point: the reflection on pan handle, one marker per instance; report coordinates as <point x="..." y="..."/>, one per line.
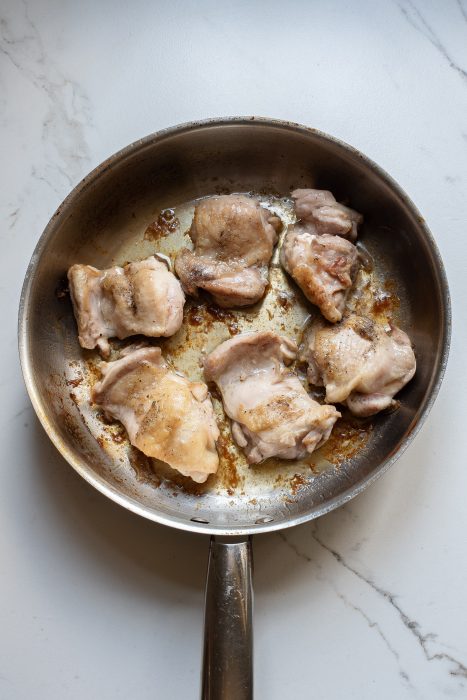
<point x="228" y="621"/>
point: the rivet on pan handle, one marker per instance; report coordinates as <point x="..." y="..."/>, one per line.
<point x="228" y="632"/>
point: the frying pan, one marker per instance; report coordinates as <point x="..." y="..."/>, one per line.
<point x="105" y="220"/>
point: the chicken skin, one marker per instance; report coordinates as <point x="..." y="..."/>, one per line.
<point x="360" y="363"/>
<point x="271" y="413"/>
<point x="320" y="209"/>
<point x="233" y="239"/>
<point x="165" y="415"/>
<point x="141" y="297"/>
<point x="324" y="267"/>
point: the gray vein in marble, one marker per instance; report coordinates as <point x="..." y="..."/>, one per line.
<point x="462" y="9"/>
<point x="295" y="549"/>
<point x="13" y="218"/>
<point x="372" y="624"/>
<point x="20" y="413"/>
<point x="42" y="178"/>
<point x="458" y="669"/>
<point x="420" y="24"/>
<point x="69" y="111"/>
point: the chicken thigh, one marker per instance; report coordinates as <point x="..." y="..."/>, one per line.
<point x="271" y="413"/>
<point x="324" y="267"/>
<point x="165" y="415"/>
<point x="320" y="209"/>
<point x="360" y="363"/>
<point x="141" y="297"/>
<point x="233" y="239"/>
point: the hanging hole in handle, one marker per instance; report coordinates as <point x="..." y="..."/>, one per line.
<point x="265" y="519"/>
<point x="200" y="520"/>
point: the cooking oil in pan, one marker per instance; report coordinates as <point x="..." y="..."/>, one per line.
<point x="284" y="310"/>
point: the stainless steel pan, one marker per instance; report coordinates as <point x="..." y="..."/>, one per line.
<point x="104" y="221"/>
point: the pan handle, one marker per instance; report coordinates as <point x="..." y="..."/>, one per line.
<point x="228" y="621"/>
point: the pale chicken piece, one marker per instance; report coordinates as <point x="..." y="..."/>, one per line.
<point x="139" y="298"/>
<point x="233" y="239"/>
<point x="361" y="363"/>
<point x="165" y="415"/>
<point x="271" y="413"/>
<point x="324" y="267"/>
<point x="319" y="208"/>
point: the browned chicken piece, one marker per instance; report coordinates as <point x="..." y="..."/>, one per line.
<point x="165" y="415"/>
<point x="233" y="239"/>
<point x="319" y="208"/>
<point x="324" y="267"/>
<point x="271" y="413"/>
<point x="361" y="363"/>
<point x="139" y="298"/>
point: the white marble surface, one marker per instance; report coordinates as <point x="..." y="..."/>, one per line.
<point x="369" y="602"/>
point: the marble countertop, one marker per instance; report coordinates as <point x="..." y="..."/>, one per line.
<point x="369" y="601"/>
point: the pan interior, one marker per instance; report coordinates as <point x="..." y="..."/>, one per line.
<point x="105" y="222"/>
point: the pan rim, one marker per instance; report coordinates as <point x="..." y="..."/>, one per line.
<point x="80" y="465"/>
